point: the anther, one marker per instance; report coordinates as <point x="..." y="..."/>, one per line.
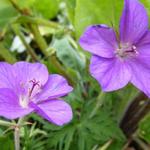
<point x="127" y="51"/>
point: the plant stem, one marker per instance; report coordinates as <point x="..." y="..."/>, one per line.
<point x="17" y="138"/>
<point x="6" y="123"/>
<point x="39" y="39"/>
<point x="141" y="143"/>
<point x="99" y="103"/>
<point x="28" y="47"/>
<point x="15" y="6"/>
<point x="17" y="133"/>
<point x="6" y="54"/>
<point x="37" y="21"/>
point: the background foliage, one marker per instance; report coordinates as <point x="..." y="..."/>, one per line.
<point x="53" y="28"/>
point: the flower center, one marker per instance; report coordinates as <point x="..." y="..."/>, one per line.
<point x="25" y="98"/>
<point x="126" y="51"/>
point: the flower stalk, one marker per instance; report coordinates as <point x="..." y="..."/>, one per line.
<point x="17" y="138"/>
<point x="28" y="47"/>
<point x="17" y="133"/>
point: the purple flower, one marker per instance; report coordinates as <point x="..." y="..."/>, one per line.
<point x="118" y="60"/>
<point x="27" y="87"/>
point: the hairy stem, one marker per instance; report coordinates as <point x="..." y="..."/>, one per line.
<point x="17" y="138"/>
<point x="6" y="123"/>
<point x="17" y="133"/>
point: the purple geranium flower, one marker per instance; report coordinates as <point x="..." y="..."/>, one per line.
<point x="27" y="87"/>
<point x="119" y="60"/>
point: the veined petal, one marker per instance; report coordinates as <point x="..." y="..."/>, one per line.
<point x="55" y="87"/>
<point x="9" y="105"/>
<point x="140" y="67"/>
<point x="111" y="73"/>
<point x="99" y="40"/>
<point x="144" y="41"/>
<point x="143" y="49"/>
<point x="29" y="73"/>
<point x="55" y="111"/>
<point x="134" y="22"/>
<point x="7" y="78"/>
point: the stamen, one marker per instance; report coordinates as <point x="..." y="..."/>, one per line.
<point x="134" y="47"/>
<point x="126" y="51"/>
<point x="24" y="100"/>
<point x="34" y="84"/>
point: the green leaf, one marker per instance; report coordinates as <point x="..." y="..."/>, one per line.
<point x="103" y="127"/>
<point x="6" y="143"/>
<point x="81" y="141"/>
<point x="35" y="140"/>
<point x="67" y="54"/>
<point x="69" y="138"/>
<point x="99" y="129"/>
<point x="46" y="8"/>
<point x="25" y="4"/>
<point x="90" y="12"/>
<point x="121" y="99"/>
<point x="7" y="12"/>
<point x="71" y="4"/>
<point x="144" y="128"/>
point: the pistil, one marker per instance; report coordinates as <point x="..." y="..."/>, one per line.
<point x="34" y="84"/>
<point x="24" y="100"/>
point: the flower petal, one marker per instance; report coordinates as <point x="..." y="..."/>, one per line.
<point x="111" y="73"/>
<point x="141" y="70"/>
<point x="134" y="22"/>
<point x="6" y="76"/>
<point x="30" y="71"/>
<point x="55" y="111"/>
<point x="9" y="105"/>
<point x="27" y="72"/>
<point x="144" y="41"/>
<point x="143" y="49"/>
<point x="99" y="40"/>
<point x="55" y="87"/>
